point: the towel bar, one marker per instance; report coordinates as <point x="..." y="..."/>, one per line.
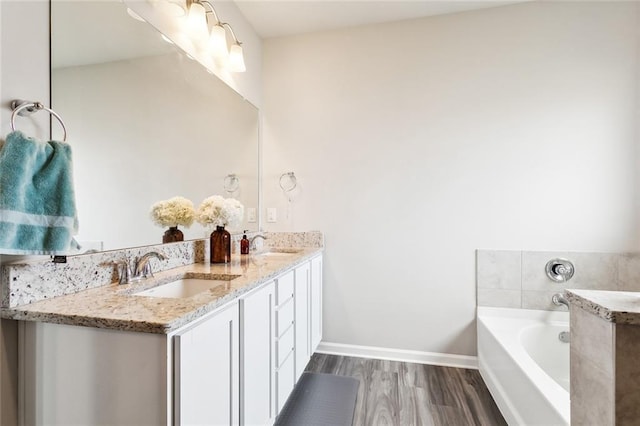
<point x="28" y="107"/>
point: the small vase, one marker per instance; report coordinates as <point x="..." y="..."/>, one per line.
<point x="172" y="235"/>
<point x="220" y="242"/>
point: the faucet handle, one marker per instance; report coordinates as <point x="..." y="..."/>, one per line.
<point x="124" y="271"/>
<point x="147" y="271"/>
<point x="142" y="267"/>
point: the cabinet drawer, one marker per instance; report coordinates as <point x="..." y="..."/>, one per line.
<point x="285" y="378"/>
<point x="284" y="288"/>
<point x="284" y="346"/>
<point x="284" y="317"/>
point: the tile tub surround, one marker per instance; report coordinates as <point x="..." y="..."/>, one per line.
<point x="517" y="279"/>
<point x="605" y="341"/>
<point x="113" y="306"/>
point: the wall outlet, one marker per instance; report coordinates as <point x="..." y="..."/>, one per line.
<point x="251" y="214"/>
<point x="272" y="215"/>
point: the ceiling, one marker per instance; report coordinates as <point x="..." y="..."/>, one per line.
<point x="277" y="18"/>
<point x="78" y="39"/>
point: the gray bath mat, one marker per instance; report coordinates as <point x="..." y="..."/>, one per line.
<point x="320" y="400"/>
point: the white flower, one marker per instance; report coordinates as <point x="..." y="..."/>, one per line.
<point x="219" y="211"/>
<point x="173" y="212"/>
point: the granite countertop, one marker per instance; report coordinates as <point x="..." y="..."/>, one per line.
<point x="622" y="307"/>
<point x="115" y="307"/>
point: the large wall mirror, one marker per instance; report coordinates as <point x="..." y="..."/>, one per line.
<point x="145" y="123"/>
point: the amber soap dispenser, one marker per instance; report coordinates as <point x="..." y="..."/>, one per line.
<point x="244" y="244"/>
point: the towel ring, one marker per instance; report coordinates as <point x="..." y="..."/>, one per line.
<point x="231" y="183"/>
<point x="288" y="181"/>
<point x="24" y="108"/>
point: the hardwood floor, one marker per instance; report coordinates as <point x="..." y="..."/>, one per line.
<point x="406" y="394"/>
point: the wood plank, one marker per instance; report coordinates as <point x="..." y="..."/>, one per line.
<point x="382" y="406"/>
<point x="403" y="394"/>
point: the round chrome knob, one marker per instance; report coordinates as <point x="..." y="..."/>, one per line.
<point x="559" y="270"/>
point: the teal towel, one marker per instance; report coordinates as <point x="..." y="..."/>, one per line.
<point x="37" y="201"/>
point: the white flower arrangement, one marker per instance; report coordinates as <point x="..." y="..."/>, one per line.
<point x="218" y="211"/>
<point x="173" y="212"/>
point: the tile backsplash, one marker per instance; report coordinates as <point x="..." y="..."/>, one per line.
<point x="517" y="279"/>
<point x="27" y="282"/>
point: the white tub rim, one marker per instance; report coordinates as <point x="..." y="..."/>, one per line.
<point x="554" y="393"/>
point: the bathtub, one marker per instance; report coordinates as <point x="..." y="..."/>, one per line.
<point x="525" y="365"/>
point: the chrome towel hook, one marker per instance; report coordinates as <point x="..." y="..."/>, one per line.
<point x="25" y="108"/>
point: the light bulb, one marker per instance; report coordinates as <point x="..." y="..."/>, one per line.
<point x="236" y="59"/>
<point x="218" y="41"/>
<point x="197" y="23"/>
<point x="170" y="8"/>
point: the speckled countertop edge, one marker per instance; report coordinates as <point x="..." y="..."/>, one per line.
<point x="621" y="307"/>
<point x="114" y="307"/>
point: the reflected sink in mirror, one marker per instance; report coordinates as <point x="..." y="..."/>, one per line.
<point x="185" y="287"/>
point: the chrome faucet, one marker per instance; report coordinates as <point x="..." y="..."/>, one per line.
<point x="140" y="269"/>
<point x="143" y="267"/>
<point x="252" y="241"/>
<point x="559" y="299"/>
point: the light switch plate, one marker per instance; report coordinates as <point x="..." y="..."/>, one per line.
<point x="251" y="214"/>
<point x="272" y="216"/>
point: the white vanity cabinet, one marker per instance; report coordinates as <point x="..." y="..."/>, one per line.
<point x="207" y="371"/>
<point x="316" y="302"/>
<point x="308" y="312"/>
<point x="236" y="365"/>
<point x="285" y="337"/>
<point x="257" y="337"/>
<point x="72" y="375"/>
<point x="303" y="317"/>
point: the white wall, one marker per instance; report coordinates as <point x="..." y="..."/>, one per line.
<point x="24" y="74"/>
<point x="417" y="142"/>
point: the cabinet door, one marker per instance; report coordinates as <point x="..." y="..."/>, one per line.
<point x="206" y="388"/>
<point x="302" y="320"/>
<point x="285" y="380"/>
<point x="257" y="310"/>
<point x="316" y="302"/>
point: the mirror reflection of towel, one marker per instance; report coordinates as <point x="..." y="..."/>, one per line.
<point x="37" y="201"/>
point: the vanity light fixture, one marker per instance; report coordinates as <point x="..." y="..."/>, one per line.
<point x="217" y="39"/>
<point x="197" y="23"/>
<point x="236" y="57"/>
<point x="218" y="42"/>
<point x="171" y="8"/>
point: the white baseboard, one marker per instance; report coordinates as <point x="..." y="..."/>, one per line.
<point x="433" y="358"/>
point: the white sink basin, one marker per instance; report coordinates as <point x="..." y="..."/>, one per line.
<point x="182" y="288"/>
<point x="275" y="254"/>
<point x="279" y="252"/>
